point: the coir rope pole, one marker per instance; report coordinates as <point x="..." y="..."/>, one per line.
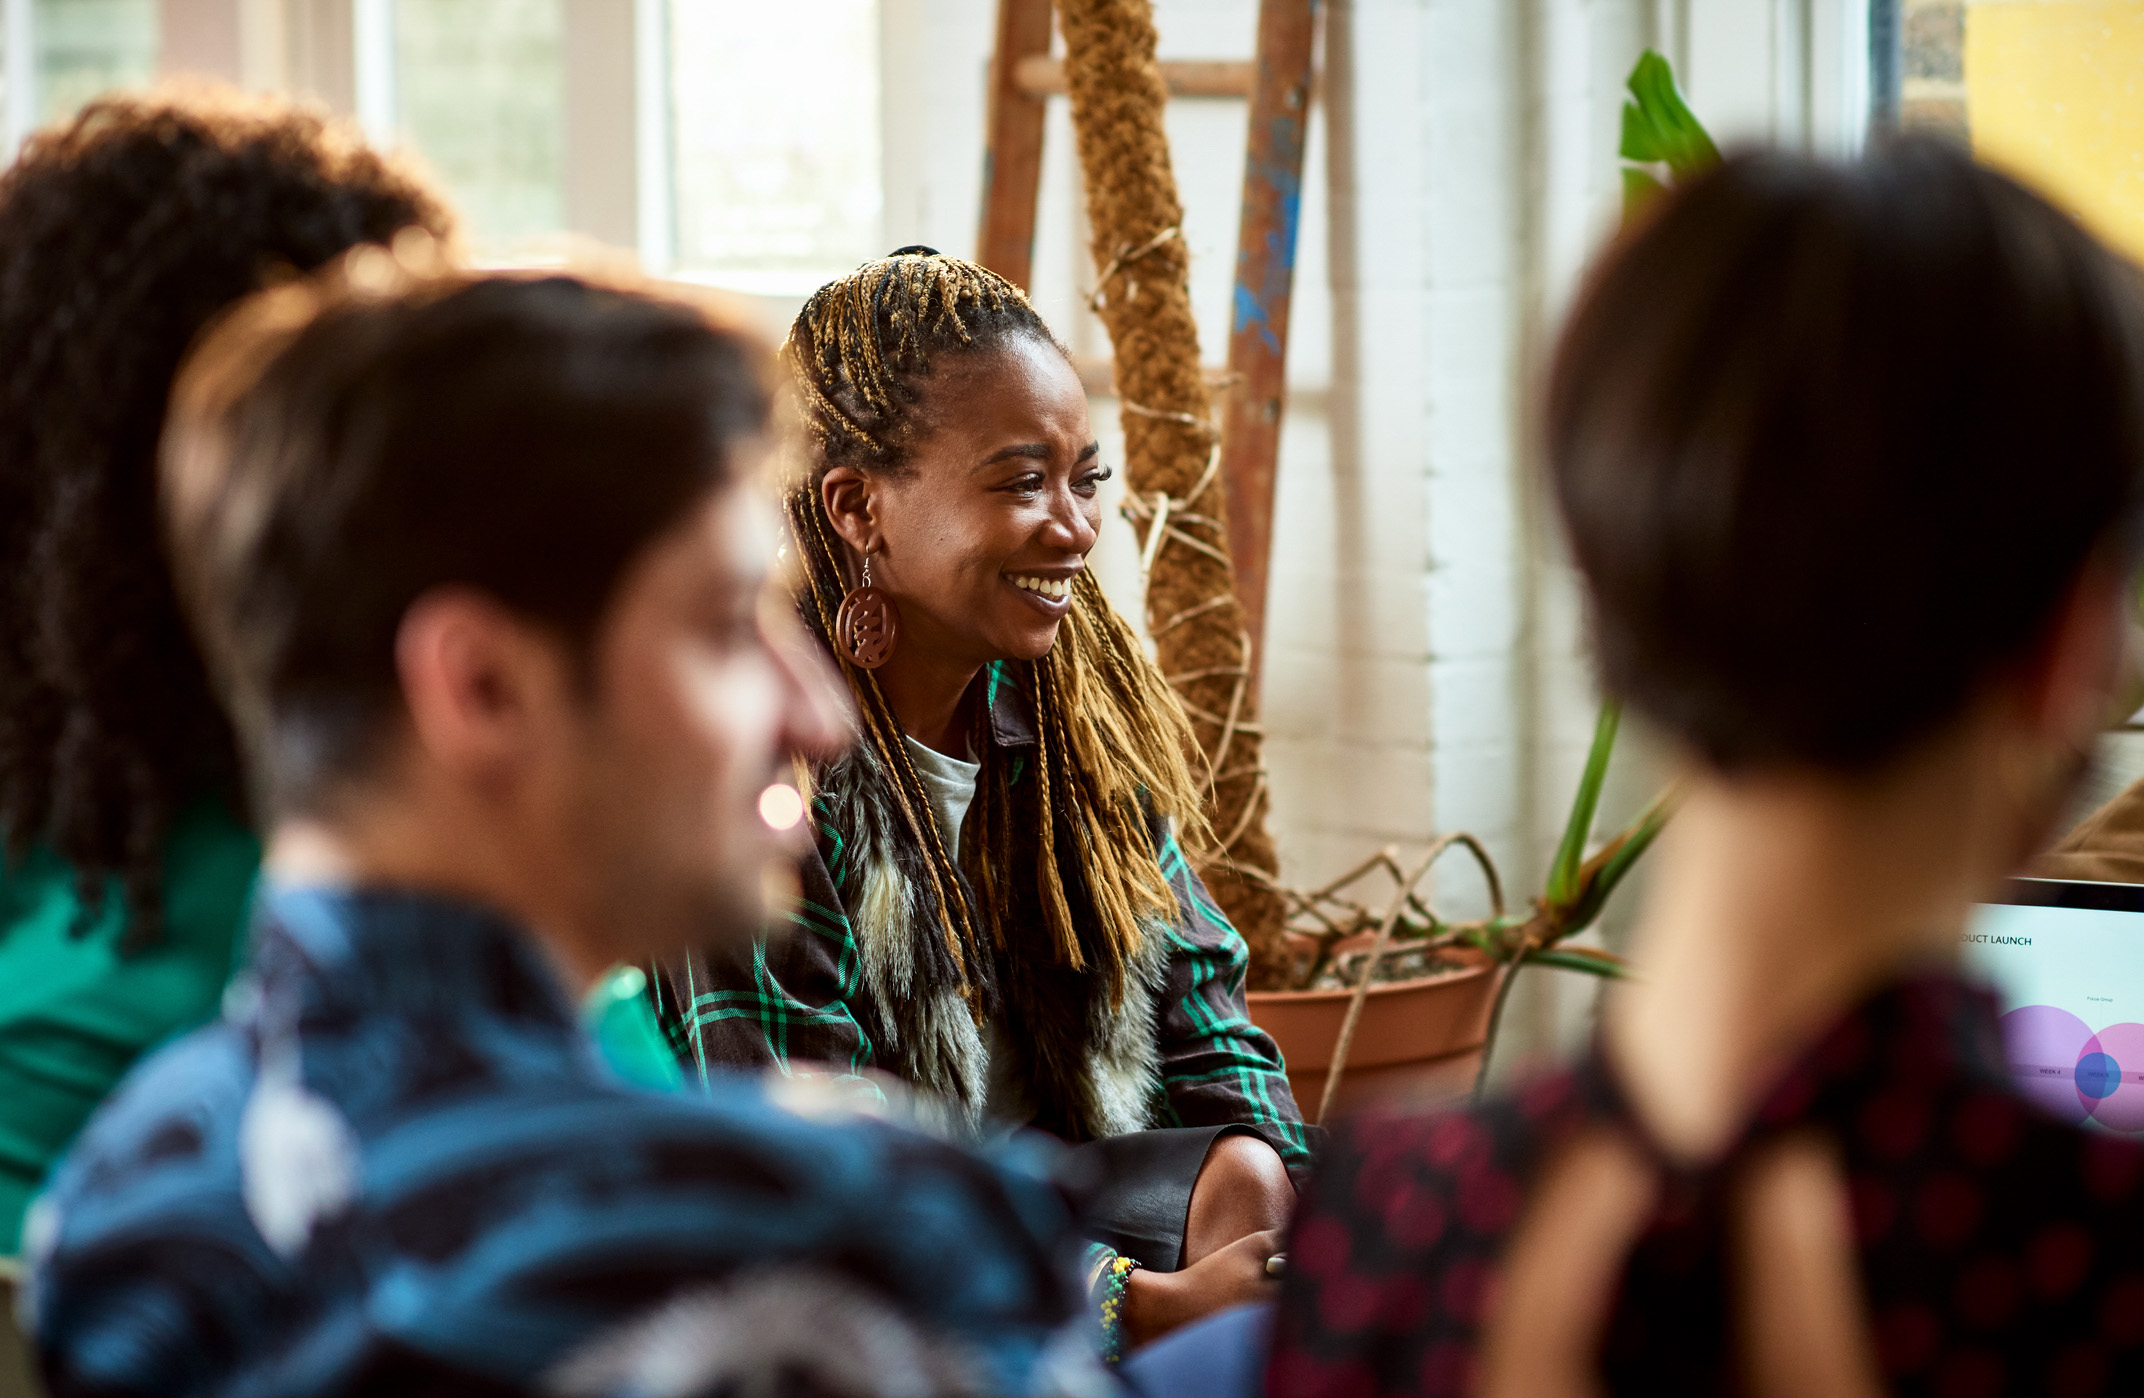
<point x="1172" y="467"/>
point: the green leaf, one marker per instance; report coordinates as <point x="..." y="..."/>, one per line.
<point x="1617" y="858"/>
<point x="1659" y="125"/>
<point x="1641" y="835"/>
<point x="1640" y="142"/>
<point x="1571" y="853"/>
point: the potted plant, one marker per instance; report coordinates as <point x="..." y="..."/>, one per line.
<point x="1400" y="1000"/>
<point x="1397" y="999"/>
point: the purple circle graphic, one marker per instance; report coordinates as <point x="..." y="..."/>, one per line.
<point x="2043" y="1044"/>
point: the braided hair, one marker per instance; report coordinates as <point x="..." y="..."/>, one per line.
<point x="122" y="233"/>
<point x="1115" y="751"/>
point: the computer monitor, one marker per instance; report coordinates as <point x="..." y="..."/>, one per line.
<point x="2066" y="960"/>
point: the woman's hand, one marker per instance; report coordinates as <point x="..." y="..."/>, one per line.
<point x="1157" y="1302"/>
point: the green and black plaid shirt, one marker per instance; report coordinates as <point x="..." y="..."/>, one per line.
<point x="796" y="1000"/>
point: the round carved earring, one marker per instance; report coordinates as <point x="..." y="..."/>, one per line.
<point x="868" y="625"/>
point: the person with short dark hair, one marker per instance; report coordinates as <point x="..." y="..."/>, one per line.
<point x="129" y="848"/>
<point x="480" y="567"/>
<point x="1851" y="460"/>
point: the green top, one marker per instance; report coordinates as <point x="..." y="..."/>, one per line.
<point x="75" y="1014"/>
<point x="618" y="1015"/>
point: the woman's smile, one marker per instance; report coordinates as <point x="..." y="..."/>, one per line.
<point x="1052" y="596"/>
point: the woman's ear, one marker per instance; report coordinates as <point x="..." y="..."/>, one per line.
<point x="850" y="503"/>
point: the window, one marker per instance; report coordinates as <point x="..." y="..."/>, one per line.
<point x="742" y="141"/>
<point x="765" y="127"/>
<point x="774" y="140"/>
<point x="1932" y="64"/>
<point x="477" y="91"/>
<point x="85" y="47"/>
<point x="56" y="55"/>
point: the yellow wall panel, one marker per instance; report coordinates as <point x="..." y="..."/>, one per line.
<point x="2055" y="95"/>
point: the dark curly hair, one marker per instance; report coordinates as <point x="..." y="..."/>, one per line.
<point x="122" y="233"/>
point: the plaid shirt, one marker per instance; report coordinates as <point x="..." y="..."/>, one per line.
<point x="794" y="1002"/>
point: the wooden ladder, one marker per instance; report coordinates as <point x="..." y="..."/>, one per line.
<point x="1278" y="85"/>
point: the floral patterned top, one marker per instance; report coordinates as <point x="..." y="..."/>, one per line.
<point x="2001" y="1248"/>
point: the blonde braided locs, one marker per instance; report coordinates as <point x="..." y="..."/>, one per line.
<point x="863" y="343"/>
<point x="1115" y="746"/>
<point x="1115" y="751"/>
<point x="820" y="582"/>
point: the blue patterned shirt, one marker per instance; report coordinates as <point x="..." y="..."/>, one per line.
<point x="396" y="1164"/>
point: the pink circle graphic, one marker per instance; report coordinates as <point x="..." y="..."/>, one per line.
<point x="2123" y="1109"/>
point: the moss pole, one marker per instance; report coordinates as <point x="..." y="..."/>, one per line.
<point x="1143" y="297"/>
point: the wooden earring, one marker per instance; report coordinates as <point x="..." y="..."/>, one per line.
<point x="868" y="625"/>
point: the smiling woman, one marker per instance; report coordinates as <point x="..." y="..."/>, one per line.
<point x="1000" y="912"/>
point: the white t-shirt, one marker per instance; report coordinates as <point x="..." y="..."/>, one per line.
<point x="951" y="784"/>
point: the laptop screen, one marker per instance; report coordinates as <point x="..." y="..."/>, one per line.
<point x="2066" y="960"/>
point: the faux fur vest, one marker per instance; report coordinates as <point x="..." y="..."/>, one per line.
<point x="1087" y="1066"/>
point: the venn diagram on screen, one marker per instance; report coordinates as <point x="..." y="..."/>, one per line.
<point x="2075" y="1073"/>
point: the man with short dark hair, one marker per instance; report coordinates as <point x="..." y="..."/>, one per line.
<point x="478" y="568"/>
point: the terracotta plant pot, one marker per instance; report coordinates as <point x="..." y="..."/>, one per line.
<point x="1421" y="1039"/>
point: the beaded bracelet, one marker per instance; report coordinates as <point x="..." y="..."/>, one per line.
<point x="1114" y="1276"/>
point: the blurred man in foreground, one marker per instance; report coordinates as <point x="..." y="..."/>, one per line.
<point x="479" y="568"/>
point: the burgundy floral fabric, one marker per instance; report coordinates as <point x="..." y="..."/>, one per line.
<point x="2001" y="1250"/>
